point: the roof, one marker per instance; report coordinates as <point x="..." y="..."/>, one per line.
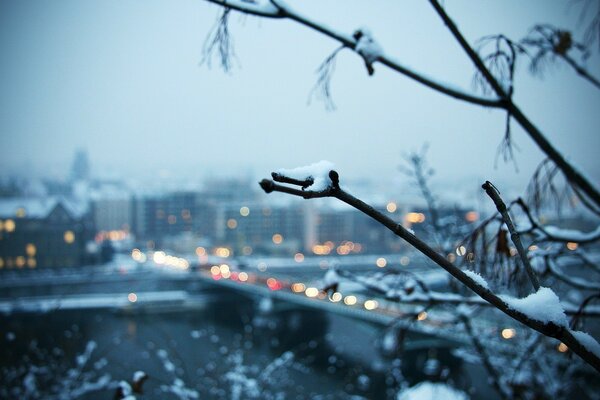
<point x="38" y="207"/>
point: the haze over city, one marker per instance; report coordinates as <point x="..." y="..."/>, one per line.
<point x="126" y="83"/>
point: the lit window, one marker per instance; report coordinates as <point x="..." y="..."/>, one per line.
<point x="222" y="252"/>
<point x="350" y="300"/>
<point x="472" y="216"/>
<point x="562" y="348"/>
<point x="335" y="297"/>
<point x="508" y="333"/>
<point x="298" y="287"/>
<point x="30" y="249"/>
<point x="9" y="225"/>
<point x="69" y="237"/>
<point x="232" y="223"/>
<point x="371" y="305"/>
<point x="224" y="268"/>
<point x="277" y="238"/>
<point x="415" y="218"/>
<point x="244" y="211"/>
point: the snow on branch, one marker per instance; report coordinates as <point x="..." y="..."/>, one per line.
<point x="588" y="342"/>
<point x="369" y="50"/>
<point x="477" y="278"/>
<point x="315" y="176"/>
<point x="568" y="235"/>
<point x="571" y="280"/>
<point x="541" y="311"/>
<point x="543" y="305"/>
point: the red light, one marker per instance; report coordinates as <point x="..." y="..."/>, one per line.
<point x="216" y="277"/>
<point x="234" y="276"/>
<point x="273" y="284"/>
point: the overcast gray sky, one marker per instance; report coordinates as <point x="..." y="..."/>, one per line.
<point x="123" y="80"/>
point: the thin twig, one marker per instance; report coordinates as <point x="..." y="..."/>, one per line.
<point x="514" y="235"/>
<point x="572" y="174"/>
<point x="549" y="328"/>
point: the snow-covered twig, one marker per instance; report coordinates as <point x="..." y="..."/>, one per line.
<point x="277" y="9"/>
<point x="550" y="322"/>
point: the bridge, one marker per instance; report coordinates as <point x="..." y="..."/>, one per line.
<point x="166" y="288"/>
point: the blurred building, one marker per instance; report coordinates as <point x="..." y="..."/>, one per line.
<point x="111" y="207"/>
<point x="44" y="232"/>
<point x="158" y="215"/>
<point x="80" y="169"/>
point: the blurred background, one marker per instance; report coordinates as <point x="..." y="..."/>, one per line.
<point x="136" y="245"/>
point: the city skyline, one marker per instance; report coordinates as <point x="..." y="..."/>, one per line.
<point x="125" y="83"/>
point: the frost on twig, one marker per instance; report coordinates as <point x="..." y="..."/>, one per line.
<point x="219" y="40"/>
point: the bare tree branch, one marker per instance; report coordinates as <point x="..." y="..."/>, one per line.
<point x="547" y="328"/>
<point x="277" y="10"/>
<point x="572" y="174"/>
<point x="501" y="207"/>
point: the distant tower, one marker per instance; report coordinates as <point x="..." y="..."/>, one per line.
<point x="80" y="170"/>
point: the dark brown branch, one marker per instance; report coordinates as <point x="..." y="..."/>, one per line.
<point x="349" y="42"/>
<point x="570" y="172"/>
<point x="514" y="235"/>
<point x="547" y="328"/>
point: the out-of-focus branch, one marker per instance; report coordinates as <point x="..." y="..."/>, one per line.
<point x="570" y="172"/>
<point x="552" y="234"/>
<point x="575" y="282"/>
<point x="276" y="9"/>
<point x="435" y="298"/>
<point x="549" y="43"/>
<point x="485" y="358"/>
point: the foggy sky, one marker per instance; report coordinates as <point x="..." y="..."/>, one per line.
<point x="122" y="79"/>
